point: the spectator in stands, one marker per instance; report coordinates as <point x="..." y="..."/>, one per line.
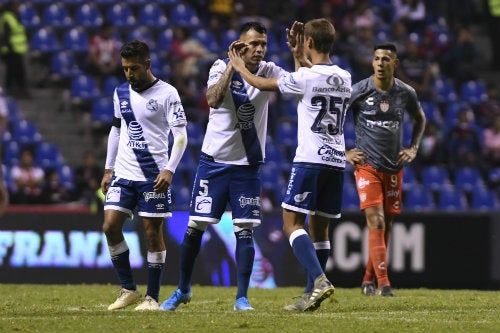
<point x="87" y="178"/>
<point x="27" y="180"/>
<point x="463" y="148"/>
<point x="54" y="191"/>
<point x="361" y="49"/>
<point x="491" y="142"/>
<point x="463" y="56"/>
<point x="490" y="107"/>
<point x="416" y="71"/>
<point x="13" y="49"/>
<point x="104" y="53"/>
<point x="412" y="12"/>
<point x="431" y="147"/>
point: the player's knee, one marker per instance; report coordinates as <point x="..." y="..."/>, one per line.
<point x="243" y="226"/>
<point x="198" y="225"/>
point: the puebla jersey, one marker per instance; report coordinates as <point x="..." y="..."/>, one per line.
<point x="236" y="131"/>
<point x="324" y="92"/>
<point x="378" y="119"/>
<point x="146" y="119"/>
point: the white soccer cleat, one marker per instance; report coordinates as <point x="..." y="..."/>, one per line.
<point x="126" y="298"/>
<point x="149" y="304"/>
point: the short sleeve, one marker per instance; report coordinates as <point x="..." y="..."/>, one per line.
<point x="216" y="71"/>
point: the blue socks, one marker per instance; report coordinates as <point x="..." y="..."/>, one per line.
<point x="245" y="253"/>
<point x="189" y="251"/>
<point x="304" y="251"/>
<point x="120" y="259"/>
<point x="322" y="253"/>
<point x="156" y="266"/>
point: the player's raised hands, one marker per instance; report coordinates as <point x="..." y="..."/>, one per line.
<point x="236" y="60"/>
<point x="291" y="33"/>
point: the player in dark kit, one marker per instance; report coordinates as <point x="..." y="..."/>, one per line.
<point x="378" y="104"/>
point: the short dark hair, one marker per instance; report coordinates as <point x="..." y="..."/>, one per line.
<point x="257" y="26"/>
<point x="135" y="49"/>
<point x="385" y="46"/>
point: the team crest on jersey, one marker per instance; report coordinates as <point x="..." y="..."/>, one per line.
<point x="152" y="105"/>
<point x="384" y="106"/>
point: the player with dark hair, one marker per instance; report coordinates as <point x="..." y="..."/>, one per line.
<point x="139" y="171"/>
<point x="315" y="185"/>
<point x="228" y="171"/>
<point x="379" y="104"/>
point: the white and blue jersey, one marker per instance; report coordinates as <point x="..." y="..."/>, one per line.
<point x="146" y="118"/>
<point x="233" y="150"/>
<point x="316" y="180"/>
<point x="236" y="131"/>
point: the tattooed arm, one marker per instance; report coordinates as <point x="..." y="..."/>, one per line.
<point x="217" y="92"/>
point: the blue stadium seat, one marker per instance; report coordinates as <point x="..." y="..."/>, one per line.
<point x="29" y="17"/>
<point x="121" y="15"/>
<point x="181" y="196"/>
<point x="76" y="39"/>
<point x="419" y="198"/>
<point x="350" y="198"/>
<point x="275" y="155"/>
<point x="11" y="150"/>
<point x="444" y="89"/>
<point x="109" y="84"/>
<point x="227" y="37"/>
<point x="44" y="40"/>
<point x="435" y="177"/>
<point x="63" y="65"/>
<point x="484" y="199"/>
<point x="409" y="178"/>
<point x="102" y="111"/>
<point x="286" y="133"/>
<point x="26" y="132"/>
<point x="451" y="199"/>
<point x="473" y="92"/>
<point x="48" y="155"/>
<point x="144" y="34"/>
<point x="207" y="39"/>
<point x="88" y="15"/>
<point x="184" y="15"/>
<point x="165" y="38"/>
<point x="195" y="134"/>
<point x="66" y="175"/>
<point x="153" y="16"/>
<point x="14" y="112"/>
<point x="56" y="15"/>
<point x="468" y="179"/>
<point x="84" y="87"/>
<point x="432" y="112"/>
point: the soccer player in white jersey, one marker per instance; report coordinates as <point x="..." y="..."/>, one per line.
<point x="315" y="185"/>
<point x="138" y="170"/>
<point x="228" y="171"/>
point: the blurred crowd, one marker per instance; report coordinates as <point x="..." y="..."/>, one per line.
<point x="437" y="41"/>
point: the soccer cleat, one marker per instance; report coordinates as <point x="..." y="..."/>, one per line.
<point x="368" y="289"/>
<point x="149" y="303"/>
<point x="242" y="304"/>
<point x="322" y="290"/>
<point x="175" y="300"/>
<point x="386" y="291"/>
<point x="126" y="298"/>
<point x="300" y="304"/>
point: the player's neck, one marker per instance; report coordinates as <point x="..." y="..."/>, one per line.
<point x="383" y="84"/>
<point x="320" y="58"/>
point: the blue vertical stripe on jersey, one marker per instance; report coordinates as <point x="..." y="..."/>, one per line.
<point x="146" y="161"/>
<point x="248" y="133"/>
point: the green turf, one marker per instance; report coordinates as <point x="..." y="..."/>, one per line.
<point x="82" y="308"/>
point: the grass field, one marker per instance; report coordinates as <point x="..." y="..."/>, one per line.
<point x="82" y="308"/>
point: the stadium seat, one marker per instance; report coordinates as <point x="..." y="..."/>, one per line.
<point x="468" y="179"/>
<point x="144" y="34"/>
<point x="165" y="38"/>
<point x="121" y="15"/>
<point x="275" y="155"/>
<point x="44" y="40"/>
<point x="434" y="177"/>
<point x="84" y="87"/>
<point x="432" y="112"/>
<point x="88" y="15"/>
<point x="102" y="111"/>
<point x="195" y="134"/>
<point x="181" y="197"/>
<point x="184" y="15"/>
<point x="56" y="15"/>
<point x="26" y="132"/>
<point x="109" y="84"/>
<point x="484" y="199"/>
<point x="29" y="17"/>
<point x="286" y="133"/>
<point x="451" y="199"/>
<point x="473" y="92"/>
<point x="48" y="155"/>
<point x="350" y="198"/>
<point x="418" y="199"/>
<point x="445" y="92"/>
<point x="227" y="37"/>
<point x="63" y="65"/>
<point x="10" y="152"/>
<point x="14" y="112"/>
<point x="409" y="178"/>
<point x="66" y="175"/>
<point x="207" y="39"/>
<point x="152" y="15"/>
<point x="76" y="40"/>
